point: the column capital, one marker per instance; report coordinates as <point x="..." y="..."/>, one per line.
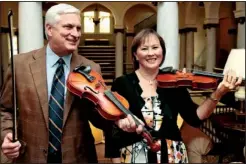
<point x="122" y="30"/>
<point x="6" y="30"/>
<point x="130" y="34"/>
<point x="211" y="21"/>
<point x="187" y="29"/>
<point x="240" y="20"/>
<point x="154" y="3"/>
<point x="182" y="31"/>
<point x="239" y="13"/>
<point x="210" y="25"/>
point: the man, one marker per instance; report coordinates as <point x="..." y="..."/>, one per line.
<point x="52" y="123"/>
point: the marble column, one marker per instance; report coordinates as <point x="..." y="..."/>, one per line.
<point x="182" y="56"/>
<point x="118" y="52"/>
<point x="190" y="47"/>
<point x="31" y="32"/>
<point x="241" y="32"/>
<point x="129" y="62"/>
<point x="167" y="27"/>
<point x="240" y="18"/>
<point x="211" y="46"/>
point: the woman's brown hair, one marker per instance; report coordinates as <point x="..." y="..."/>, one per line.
<point x="140" y="38"/>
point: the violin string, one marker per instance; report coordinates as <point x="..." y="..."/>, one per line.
<point x="204" y="72"/>
<point x="102" y="84"/>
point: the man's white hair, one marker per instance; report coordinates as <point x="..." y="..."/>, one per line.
<point x="52" y="16"/>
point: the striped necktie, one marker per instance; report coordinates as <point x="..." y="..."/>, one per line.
<point x="56" y="108"/>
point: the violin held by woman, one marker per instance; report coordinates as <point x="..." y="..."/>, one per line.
<point x="196" y="79"/>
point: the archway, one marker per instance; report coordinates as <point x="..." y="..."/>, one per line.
<point x="145" y="17"/>
<point x="97" y="25"/>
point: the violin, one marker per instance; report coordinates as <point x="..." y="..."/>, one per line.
<point x="87" y="83"/>
<point x="172" y="78"/>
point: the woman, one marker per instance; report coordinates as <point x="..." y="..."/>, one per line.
<point x="156" y="107"/>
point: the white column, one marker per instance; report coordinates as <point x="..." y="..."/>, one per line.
<point x="211" y="49"/>
<point x="189" y="49"/>
<point x="119" y="54"/>
<point x="182" y="50"/>
<point x="241" y="33"/>
<point x="31" y="33"/>
<point x="167" y="27"/>
<point x="239" y="14"/>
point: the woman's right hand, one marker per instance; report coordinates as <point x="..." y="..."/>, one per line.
<point x="116" y="160"/>
<point x="10" y="149"/>
<point x="128" y="124"/>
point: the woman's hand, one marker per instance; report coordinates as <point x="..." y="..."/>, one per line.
<point x="128" y="124"/>
<point x="230" y="81"/>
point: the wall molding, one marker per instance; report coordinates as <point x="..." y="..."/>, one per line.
<point x="122" y="30"/>
<point x="210" y="25"/>
<point x="232" y="31"/>
<point x="130" y="34"/>
<point x="6" y="30"/>
<point x="240" y="20"/>
<point x="187" y="29"/>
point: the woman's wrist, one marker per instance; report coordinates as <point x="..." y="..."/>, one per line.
<point x="212" y="98"/>
<point x="216" y="96"/>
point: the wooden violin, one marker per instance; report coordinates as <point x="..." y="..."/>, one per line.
<point x="87" y="83"/>
<point x="172" y="78"/>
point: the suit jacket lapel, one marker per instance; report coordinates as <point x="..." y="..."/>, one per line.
<point x="38" y="70"/>
<point x="75" y="61"/>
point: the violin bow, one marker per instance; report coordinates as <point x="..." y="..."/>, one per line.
<point x="10" y="23"/>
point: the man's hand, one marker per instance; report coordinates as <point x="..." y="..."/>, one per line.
<point x="128" y="124"/>
<point x="9" y="148"/>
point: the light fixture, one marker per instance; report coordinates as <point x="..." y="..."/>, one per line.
<point x="96" y="19"/>
<point x="201" y="4"/>
<point x="236" y="61"/>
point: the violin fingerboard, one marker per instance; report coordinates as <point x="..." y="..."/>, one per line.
<point x="113" y="99"/>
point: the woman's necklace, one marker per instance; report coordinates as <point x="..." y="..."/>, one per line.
<point x="150" y="82"/>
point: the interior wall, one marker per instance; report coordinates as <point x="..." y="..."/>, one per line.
<point x="181" y="6"/>
<point x="1" y="61"/>
<point x="4" y="42"/>
<point x="5" y="6"/>
<point x="226" y="41"/>
<point x="200" y="38"/>
<point x="132" y="17"/>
